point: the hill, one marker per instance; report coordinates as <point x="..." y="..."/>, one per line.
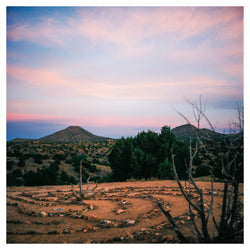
<point x="73" y="134"/>
<point x="188" y="131"/>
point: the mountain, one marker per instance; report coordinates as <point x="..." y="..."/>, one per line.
<point x="188" y="131"/>
<point x="73" y="134"/>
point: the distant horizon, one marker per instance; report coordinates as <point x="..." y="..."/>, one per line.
<point x="39" y="130"/>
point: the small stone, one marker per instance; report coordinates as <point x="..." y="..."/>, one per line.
<point x="115" y="224"/>
<point x="120" y="211"/>
<point x="58" y="209"/>
<point x="130" y="222"/>
<point x="43" y="214"/>
<point x="106" y="222"/>
<point x="66" y="231"/>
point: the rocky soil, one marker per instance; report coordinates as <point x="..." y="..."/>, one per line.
<point x="124" y="212"/>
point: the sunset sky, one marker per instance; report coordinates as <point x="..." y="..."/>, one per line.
<point x="116" y="71"/>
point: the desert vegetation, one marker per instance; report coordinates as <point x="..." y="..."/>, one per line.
<point x="153" y="193"/>
<point x="34" y="163"/>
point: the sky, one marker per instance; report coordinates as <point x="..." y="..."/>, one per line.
<point x="116" y="71"/>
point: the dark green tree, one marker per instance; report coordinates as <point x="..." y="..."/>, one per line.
<point x="147" y="155"/>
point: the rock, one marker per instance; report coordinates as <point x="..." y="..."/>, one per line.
<point x="51" y="199"/>
<point x="58" y="209"/>
<point x="43" y="214"/>
<point x="130" y="222"/>
<point x="66" y="231"/>
<point x="91" y="207"/>
<point x="120" y="211"/>
<point x="115" y="224"/>
<point x="106" y="222"/>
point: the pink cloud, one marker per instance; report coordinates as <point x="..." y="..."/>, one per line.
<point x="37" y="77"/>
<point x="47" y="32"/>
<point x="98" y="121"/>
<point x="29" y="117"/>
<point x="57" y="84"/>
<point x="128" y="27"/>
<point x="141" y="23"/>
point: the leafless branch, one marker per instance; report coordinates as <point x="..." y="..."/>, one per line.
<point x="181" y="237"/>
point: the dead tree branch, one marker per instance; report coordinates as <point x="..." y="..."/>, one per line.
<point x="230" y="225"/>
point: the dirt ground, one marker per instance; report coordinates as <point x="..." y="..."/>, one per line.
<point x="123" y="212"/>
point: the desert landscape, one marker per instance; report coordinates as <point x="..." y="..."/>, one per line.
<point x="123" y="212"/>
<point x="124" y="124"/>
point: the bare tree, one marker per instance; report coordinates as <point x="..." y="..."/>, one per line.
<point x="84" y="194"/>
<point x="230" y="224"/>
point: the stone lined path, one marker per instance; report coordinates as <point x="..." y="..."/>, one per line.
<point x="121" y="213"/>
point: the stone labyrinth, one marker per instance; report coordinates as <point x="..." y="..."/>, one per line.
<point x="125" y="214"/>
